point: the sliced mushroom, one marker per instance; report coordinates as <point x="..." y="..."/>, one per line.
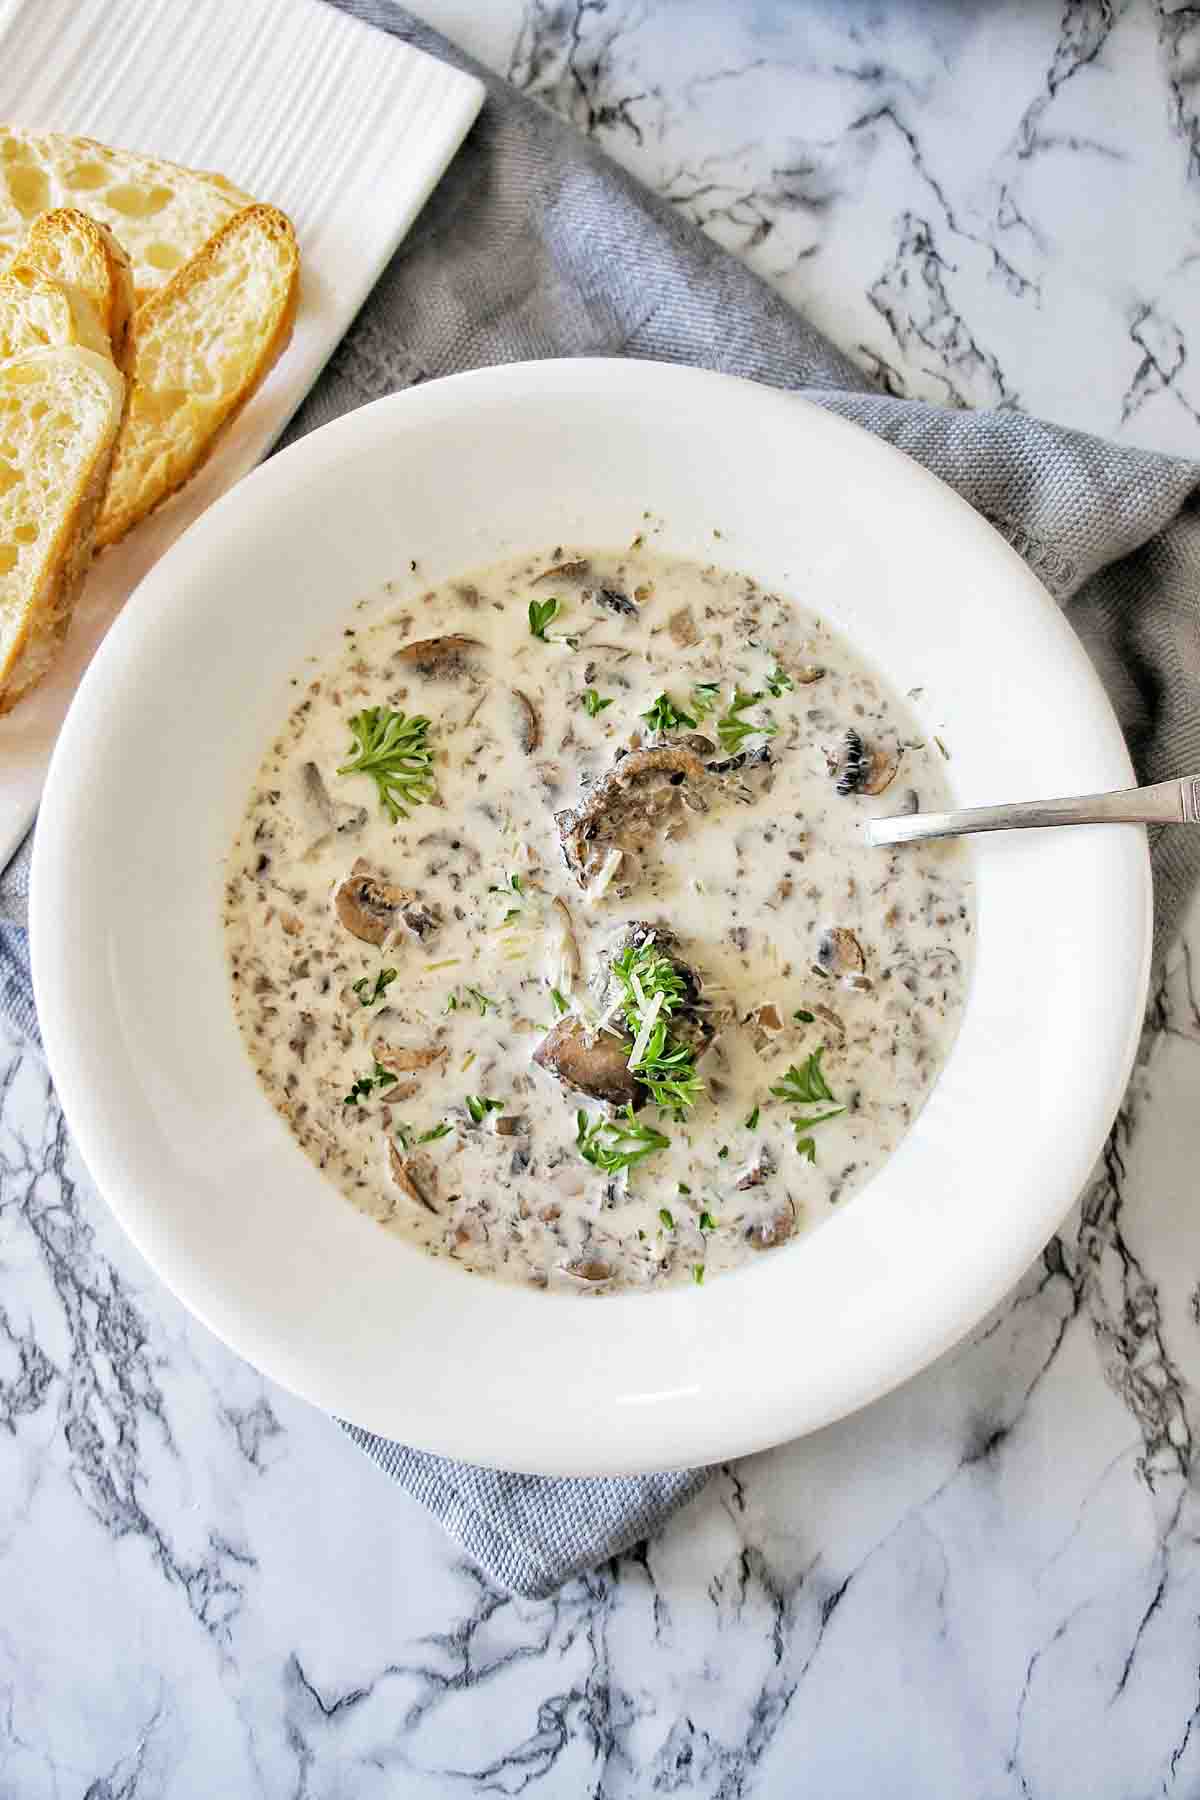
<point x="827" y="1014"/>
<point x="683" y="628"/>
<point x="764" y="1022"/>
<point x="526" y="723"/>
<point x="571" y="570"/>
<point x="441" y="658"/>
<point x="327" y="816"/>
<point x="807" y="673"/>
<point x="403" y="1059"/>
<point x="758" y="758"/>
<point x="592" y="1063"/>
<point x="613" y="600"/>
<point x="371" y="908"/>
<point x="756" y="1172"/>
<point x="628" y="807"/>
<point x="840" y="953"/>
<point x="510" y="1125"/>
<point x="592" y="1269"/>
<point x="849" y="764"/>
<point x="415" y="1176"/>
<point x="317" y="794"/>
<point x="769" y="1233"/>
<point x="882" y="767"/>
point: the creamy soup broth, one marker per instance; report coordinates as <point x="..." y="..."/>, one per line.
<point x="430" y="1000"/>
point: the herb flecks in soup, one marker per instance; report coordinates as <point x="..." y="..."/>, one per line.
<point x="554" y="937"/>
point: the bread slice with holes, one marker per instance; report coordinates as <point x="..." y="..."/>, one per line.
<point x="162" y="213"/>
<point x="35" y="314"/>
<point x="85" y="260"/>
<point x="60" y="411"/>
<point x="202" y="346"/>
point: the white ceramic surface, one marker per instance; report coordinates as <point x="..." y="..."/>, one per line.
<point x="346" y="128"/>
<point x="149" y="778"/>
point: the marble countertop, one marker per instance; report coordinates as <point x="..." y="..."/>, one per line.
<point x="987" y="1584"/>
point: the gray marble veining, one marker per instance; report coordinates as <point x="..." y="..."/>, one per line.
<point x="987" y="1584"/>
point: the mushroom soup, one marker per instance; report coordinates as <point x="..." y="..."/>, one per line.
<point x="552" y="931"/>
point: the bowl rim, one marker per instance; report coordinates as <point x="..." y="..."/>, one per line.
<point x="76" y="1055"/>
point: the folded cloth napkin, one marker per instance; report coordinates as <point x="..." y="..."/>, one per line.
<point x="536" y="245"/>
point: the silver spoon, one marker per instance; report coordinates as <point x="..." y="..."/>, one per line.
<point x="1166" y="803"/>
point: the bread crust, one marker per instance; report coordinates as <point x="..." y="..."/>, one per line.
<point x="141" y="481"/>
<point x="64" y="556"/>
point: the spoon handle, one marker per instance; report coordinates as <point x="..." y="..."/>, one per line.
<point x="1166" y="803"/>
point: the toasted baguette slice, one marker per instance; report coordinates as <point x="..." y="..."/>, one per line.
<point x="160" y="212"/>
<point x="59" y="415"/>
<point x="92" y="269"/>
<point x="202" y="346"/>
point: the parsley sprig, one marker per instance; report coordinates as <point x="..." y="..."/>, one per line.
<point x="706" y="697"/>
<point x="394" y="751"/>
<point x="807" y="1086"/>
<point x="405" y="1138"/>
<point x="613" y="1145"/>
<point x="664" y="715"/>
<point x="593" y="704"/>
<point x="666" y="1066"/>
<point x="479" y="1106"/>
<point x="368" y="995"/>
<point x="733" y="729"/>
<point x="541" y="614"/>
<point x="779" y="681"/>
<point x="378" y="1078"/>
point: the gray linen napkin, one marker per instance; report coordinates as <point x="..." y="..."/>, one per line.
<point x="536" y="245"/>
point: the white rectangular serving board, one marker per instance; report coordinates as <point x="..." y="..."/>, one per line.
<point x="344" y="127"/>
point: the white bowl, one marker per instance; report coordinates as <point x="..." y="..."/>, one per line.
<point x="149" y="779"/>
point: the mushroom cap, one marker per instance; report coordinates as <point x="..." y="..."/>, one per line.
<point x="592" y="1063"/>
<point x="627" y="807"/>
<point x="447" y="658"/>
<point x="371" y="908"/>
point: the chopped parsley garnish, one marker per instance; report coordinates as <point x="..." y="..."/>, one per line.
<point x="541" y="614"/>
<point x="684" y="1188"/>
<point x="667" y="1217"/>
<point x="779" y="681"/>
<point x="435" y="1131"/>
<point x="751" y="1120"/>
<point x="561" y="1005"/>
<point x="733" y="729"/>
<point x="664" y="715"/>
<point x="803" y="1017"/>
<point x="616" y="1144"/>
<point x="511" y="886"/>
<point x="706" y="697"/>
<point x="593" y="704"/>
<point x="723" y="1152"/>
<point x="394" y="751"/>
<point x="479" y="1106"/>
<point x="707" y="1222"/>
<point x="383" y="982"/>
<point x="698" y="1274"/>
<point x="482" y="1001"/>
<point x="807" y="1086"/>
<point x="403" y="1137"/>
<point x="378" y="1078"/>
<point x="665" y="1066"/>
<point x="451" y="1004"/>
